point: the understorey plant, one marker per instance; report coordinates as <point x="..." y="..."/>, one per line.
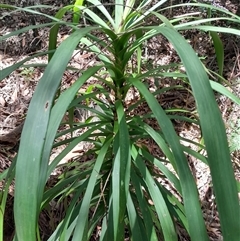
<point x="116" y="184"/>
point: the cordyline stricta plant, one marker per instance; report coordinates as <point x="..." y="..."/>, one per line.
<point x="118" y="188"/>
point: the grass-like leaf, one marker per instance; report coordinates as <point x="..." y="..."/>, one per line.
<point x="190" y="195"/>
<point x="164" y="216"/>
<point x="80" y="232"/>
<point x="144" y="207"/>
<point x="214" y="136"/>
<point x="219" y="51"/>
<point x="120" y="175"/>
<point x="34" y="132"/>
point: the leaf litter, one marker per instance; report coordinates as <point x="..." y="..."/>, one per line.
<point x="17" y="89"/>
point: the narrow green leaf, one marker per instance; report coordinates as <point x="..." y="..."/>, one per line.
<point x="164" y="216"/>
<point x="121" y="173"/>
<point x="161" y="143"/>
<point x="4" y="192"/>
<point x="7" y="71"/>
<point x="102" y="8"/>
<point x="94" y="17"/>
<point x="83" y="137"/>
<point x="223" y="90"/>
<point x="81" y="229"/>
<point x="119" y="4"/>
<point x="33" y="138"/>
<point x="128" y="8"/>
<point x="63" y="231"/>
<point x="190" y="194"/>
<point x="134" y="221"/>
<point x="168" y="174"/>
<point x="219" y="50"/>
<point x="175" y="206"/>
<point x="76" y="11"/>
<point x="223" y="11"/>
<point x="214" y="137"/>
<point x="52" y="42"/>
<point x="144" y="207"/>
<point x="56" y="116"/>
<point x="22" y="30"/>
<point x="146" y="13"/>
<point x="213" y="29"/>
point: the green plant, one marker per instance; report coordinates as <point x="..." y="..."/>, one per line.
<point x="234" y="138"/>
<point x="114" y="187"/>
<point x="27" y="72"/>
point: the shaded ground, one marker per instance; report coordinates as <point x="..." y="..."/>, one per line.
<point x="16" y="92"/>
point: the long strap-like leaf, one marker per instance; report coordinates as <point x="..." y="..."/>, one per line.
<point x="27" y="198"/>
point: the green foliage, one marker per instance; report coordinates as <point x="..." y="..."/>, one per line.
<point x="234" y="137"/>
<point x="118" y="187"/>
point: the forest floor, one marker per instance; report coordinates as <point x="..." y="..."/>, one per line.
<point x="17" y="89"/>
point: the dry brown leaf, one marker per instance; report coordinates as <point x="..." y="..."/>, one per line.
<point x="2" y="101"/>
<point x="14" y="96"/>
<point x="25" y="92"/>
<point x="73" y="153"/>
